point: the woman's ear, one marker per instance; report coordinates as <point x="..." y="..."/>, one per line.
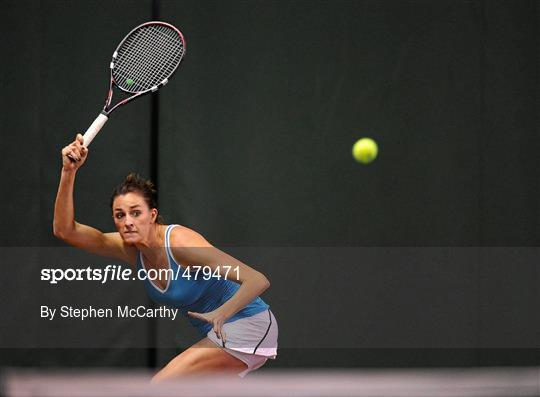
<point x="154" y="212"/>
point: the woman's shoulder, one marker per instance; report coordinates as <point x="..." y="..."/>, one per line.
<point x="183" y="237"/>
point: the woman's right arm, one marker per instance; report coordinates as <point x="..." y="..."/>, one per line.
<point x="66" y="228"/>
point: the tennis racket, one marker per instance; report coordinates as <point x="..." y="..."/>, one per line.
<point x="143" y="62"/>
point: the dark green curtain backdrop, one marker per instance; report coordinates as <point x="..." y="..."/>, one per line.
<point x="256" y="135"/>
<point x="254" y="148"/>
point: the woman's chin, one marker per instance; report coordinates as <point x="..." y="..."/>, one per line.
<point x="130" y="238"/>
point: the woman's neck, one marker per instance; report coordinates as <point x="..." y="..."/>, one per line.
<point x="150" y="247"/>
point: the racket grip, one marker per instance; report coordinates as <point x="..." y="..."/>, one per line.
<point x="92" y="131"/>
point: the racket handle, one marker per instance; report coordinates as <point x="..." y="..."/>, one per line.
<point x="92" y="131"/>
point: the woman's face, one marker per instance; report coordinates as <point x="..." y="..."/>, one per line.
<point x="133" y="218"/>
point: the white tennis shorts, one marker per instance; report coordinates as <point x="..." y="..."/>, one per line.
<point x="251" y="339"/>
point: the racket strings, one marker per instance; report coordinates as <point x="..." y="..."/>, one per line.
<point x="145" y="49"/>
<point x="137" y="68"/>
<point x="147" y="57"/>
<point x="171" y="61"/>
<point x="122" y="68"/>
<point x="146" y="65"/>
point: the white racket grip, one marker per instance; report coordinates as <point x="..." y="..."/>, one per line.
<point x="92" y="131"/>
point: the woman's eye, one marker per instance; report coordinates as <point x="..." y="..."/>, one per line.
<point x="136" y="213"/>
<point x="119" y="215"/>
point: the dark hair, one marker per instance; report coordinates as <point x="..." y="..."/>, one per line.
<point x="134" y="183"/>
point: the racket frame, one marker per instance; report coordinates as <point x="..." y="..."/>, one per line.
<point x="102" y="118"/>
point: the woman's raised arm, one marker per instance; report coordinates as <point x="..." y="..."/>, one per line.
<point x="66" y="228"/>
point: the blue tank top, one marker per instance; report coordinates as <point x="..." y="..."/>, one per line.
<point x="198" y="295"/>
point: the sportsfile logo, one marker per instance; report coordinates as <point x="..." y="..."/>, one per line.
<point x="108" y="273"/>
<point x="119" y="273"/>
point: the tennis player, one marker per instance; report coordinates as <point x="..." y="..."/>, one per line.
<point x="240" y="332"/>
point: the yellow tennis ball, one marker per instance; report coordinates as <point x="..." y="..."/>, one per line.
<point x="365" y="150"/>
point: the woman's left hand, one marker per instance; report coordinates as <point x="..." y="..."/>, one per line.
<point x="216" y="318"/>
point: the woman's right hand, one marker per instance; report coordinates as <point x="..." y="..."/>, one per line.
<point x="74" y="154"/>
